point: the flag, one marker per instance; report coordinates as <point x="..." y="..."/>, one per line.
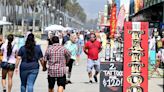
<point x="121" y="18"/>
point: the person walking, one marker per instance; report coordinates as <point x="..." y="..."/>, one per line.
<point x="56" y="56"/>
<point x="29" y="54"/>
<point x="1" y="55"/>
<point x="27" y="33"/>
<point x="92" y="49"/>
<point x="72" y="47"/>
<point x="66" y="37"/>
<point x="80" y="44"/>
<point x="9" y="51"/>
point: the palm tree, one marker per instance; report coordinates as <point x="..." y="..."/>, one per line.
<point x="23" y="15"/>
<point x="18" y="4"/>
<point x="75" y="10"/>
<point x="33" y="4"/>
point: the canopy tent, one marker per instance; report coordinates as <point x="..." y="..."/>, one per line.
<point x="55" y="28"/>
<point x="4" y="23"/>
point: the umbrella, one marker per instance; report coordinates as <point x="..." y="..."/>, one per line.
<point x="54" y="28"/>
<point x="5" y="23"/>
<point x="68" y="28"/>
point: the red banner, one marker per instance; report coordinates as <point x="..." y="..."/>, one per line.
<point x="135" y="57"/>
<point x="113" y="22"/>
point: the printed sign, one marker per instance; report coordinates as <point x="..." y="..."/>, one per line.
<point x="111" y="77"/>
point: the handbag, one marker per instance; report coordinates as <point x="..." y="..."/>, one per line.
<point x="4" y="65"/>
<point x="1" y="57"/>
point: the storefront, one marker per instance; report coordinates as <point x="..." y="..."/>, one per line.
<point x="149" y="10"/>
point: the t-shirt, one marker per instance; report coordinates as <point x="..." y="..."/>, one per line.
<point x="152" y="44"/>
<point x="93" y="49"/>
<point x="65" y="39"/>
<point x="81" y="37"/>
<point x="72" y="47"/>
<point x="33" y="64"/>
<point x="12" y="58"/>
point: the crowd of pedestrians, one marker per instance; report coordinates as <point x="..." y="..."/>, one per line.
<point x="63" y="52"/>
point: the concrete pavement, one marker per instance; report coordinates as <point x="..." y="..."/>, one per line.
<point x="79" y="79"/>
<point x="156" y="85"/>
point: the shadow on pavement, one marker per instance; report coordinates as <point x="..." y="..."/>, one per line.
<point x="161" y="85"/>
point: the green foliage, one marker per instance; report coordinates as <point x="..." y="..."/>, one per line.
<point x="37" y="35"/>
<point x="75" y="10"/>
<point x="17" y="34"/>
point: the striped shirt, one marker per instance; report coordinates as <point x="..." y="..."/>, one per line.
<point x="56" y="55"/>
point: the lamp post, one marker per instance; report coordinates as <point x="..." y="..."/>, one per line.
<point x="53" y="15"/>
<point x="49" y="8"/>
<point x="61" y="21"/>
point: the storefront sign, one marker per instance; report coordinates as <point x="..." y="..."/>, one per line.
<point x="135" y="57"/>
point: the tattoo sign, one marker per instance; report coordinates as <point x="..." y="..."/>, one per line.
<point x="135" y="69"/>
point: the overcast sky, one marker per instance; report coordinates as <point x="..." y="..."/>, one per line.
<point x="92" y="7"/>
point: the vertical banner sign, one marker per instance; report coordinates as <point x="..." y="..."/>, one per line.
<point x="113" y="21"/>
<point x="121" y="18"/>
<point x="135" y="57"/>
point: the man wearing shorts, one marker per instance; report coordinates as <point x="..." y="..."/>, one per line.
<point x="56" y="55"/>
<point x="92" y="49"/>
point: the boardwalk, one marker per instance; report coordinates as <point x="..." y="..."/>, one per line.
<point x="79" y="79"/>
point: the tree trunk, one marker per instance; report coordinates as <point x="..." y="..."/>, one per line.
<point x="46" y="16"/>
<point x="1" y="9"/>
<point x="17" y="16"/>
<point x="23" y="8"/>
<point x="14" y="13"/>
<point x="33" y="24"/>
<point x="42" y="28"/>
<point x="5" y="7"/>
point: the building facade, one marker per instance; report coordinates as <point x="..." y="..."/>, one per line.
<point x="147" y="10"/>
